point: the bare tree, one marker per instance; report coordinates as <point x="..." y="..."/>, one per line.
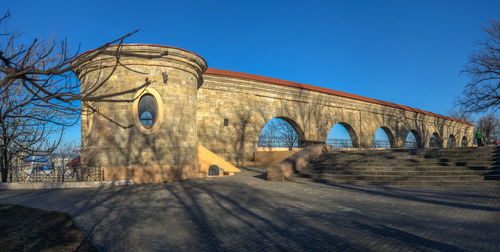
<point x="482" y="93"/>
<point x="64" y="153"/>
<point x="20" y="138"/>
<point x="26" y="124"/>
<point x="39" y="94"/>
<point x="461" y="115"/>
<point x="490" y="125"/>
<point x="279" y="133"/>
<point x="289" y="135"/>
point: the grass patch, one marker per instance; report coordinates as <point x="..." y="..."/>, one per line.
<point x="29" y="229"/>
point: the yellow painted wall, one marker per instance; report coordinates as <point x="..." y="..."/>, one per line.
<point x="206" y="158"/>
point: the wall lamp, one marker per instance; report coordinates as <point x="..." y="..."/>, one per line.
<point x="165" y="77"/>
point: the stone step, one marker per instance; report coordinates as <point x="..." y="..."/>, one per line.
<point x="410" y="161"/>
<point x="403" y="165"/>
<point x="395" y="177"/>
<point x="395" y="154"/>
<point x="401" y="168"/>
<point x="407" y="160"/>
<point x="415" y="160"/>
<point x="419" y="167"/>
<point x="323" y="158"/>
<point x="492" y="176"/>
<point x="483" y="183"/>
<point x="407" y="155"/>
<point x="400" y="173"/>
<point x="490" y="149"/>
<point x="410" y="152"/>
<point x="330" y="154"/>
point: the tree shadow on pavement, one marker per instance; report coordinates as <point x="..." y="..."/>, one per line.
<point x="399" y="195"/>
<point x="408" y="238"/>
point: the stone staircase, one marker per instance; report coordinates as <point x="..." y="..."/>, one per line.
<point x="475" y="166"/>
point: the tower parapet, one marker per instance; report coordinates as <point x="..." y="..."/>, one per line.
<point x="140" y="122"/>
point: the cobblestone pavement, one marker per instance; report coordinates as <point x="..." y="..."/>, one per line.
<point x="245" y="212"/>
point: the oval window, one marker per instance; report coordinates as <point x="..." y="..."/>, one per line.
<point x="147" y="111"/>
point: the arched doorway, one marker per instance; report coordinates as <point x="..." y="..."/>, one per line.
<point x="435" y="140"/>
<point x="213" y="170"/>
<point x="342" y="135"/>
<point x="413" y="140"/>
<point x="451" y="141"/>
<point x="464" y="143"/>
<point x="281" y="132"/>
<point x="383" y="138"/>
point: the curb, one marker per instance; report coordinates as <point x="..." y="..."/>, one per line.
<point x="55" y="185"/>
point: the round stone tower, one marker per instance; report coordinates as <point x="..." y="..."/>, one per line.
<point x="140" y="120"/>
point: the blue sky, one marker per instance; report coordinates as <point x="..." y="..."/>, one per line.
<point x="407" y="52"/>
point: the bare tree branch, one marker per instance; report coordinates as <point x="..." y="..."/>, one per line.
<point x="40" y="94"/>
<point x="483" y="92"/>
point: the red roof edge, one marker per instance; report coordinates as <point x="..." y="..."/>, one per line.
<point x="75" y="161"/>
<point x="326" y="91"/>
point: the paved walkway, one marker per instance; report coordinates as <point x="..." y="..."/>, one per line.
<point x="245" y="212"/>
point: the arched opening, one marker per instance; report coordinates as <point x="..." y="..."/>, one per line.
<point x="464" y="143"/>
<point x="147" y="110"/>
<point x="413" y="140"/>
<point x="451" y="141"/>
<point x="342" y="135"/>
<point x="383" y="138"/>
<point x="435" y="140"/>
<point x="281" y="132"/>
<point x="213" y="170"/>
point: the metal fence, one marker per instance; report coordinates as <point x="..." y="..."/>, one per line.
<point x="39" y="173"/>
<point x="340" y="143"/>
<point x="278" y="143"/>
<point x="451" y="142"/>
<point x="411" y="144"/>
<point x="381" y="144"/>
<point x="435" y="142"/>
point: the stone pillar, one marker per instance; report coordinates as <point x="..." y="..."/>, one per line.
<point x="113" y="135"/>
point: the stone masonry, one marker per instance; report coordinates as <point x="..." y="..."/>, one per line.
<point x="223" y="111"/>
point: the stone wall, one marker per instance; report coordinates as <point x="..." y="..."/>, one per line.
<point x="250" y="104"/>
<point x="193" y="107"/>
<point x="112" y="135"/>
<point x="273" y="157"/>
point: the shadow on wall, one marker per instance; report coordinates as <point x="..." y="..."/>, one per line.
<point x="115" y="133"/>
<point x="228" y="123"/>
<point x="430" y="131"/>
<point x="231" y="127"/>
